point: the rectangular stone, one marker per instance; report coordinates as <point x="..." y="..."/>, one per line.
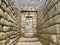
<point x="1" y="28"/>
<point x="3" y="21"/>
<point x="1" y="12"/>
<point x="3" y="5"/>
<point x="58" y="7"/>
<point x="5" y="28"/>
<point x="2" y="42"/>
<point x="3" y="36"/>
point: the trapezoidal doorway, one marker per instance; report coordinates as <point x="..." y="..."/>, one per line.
<point x="29" y="26"/>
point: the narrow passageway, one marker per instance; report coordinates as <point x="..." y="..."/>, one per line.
<point x="29" y="22"/>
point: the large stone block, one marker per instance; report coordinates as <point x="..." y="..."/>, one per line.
<point x="1" y="12"/>
<point x="15" y="29"/>
<point x="3" y="21"/>
<point x="5" y="28"/>
<point x="2" y="42"/>
<point x="58" y="7"/>
<point x="0" y="1"/>
<point x="54" y="38"/>
<point x="3" y="5"/>
<point x="52" y="30"/>
<point x="58" y="39"/>
<point x="13" y="36"/>
<point x="55" y="20"/>
<point x="45" y="39"/>
<point x="56" y="1"/>
<point x="46" y="24"/>
<point x="8" y="34"/>
<point x="6" y="2"/>
<point x="8" y="10"/>
<point x="50" y="5"/>
<point x="3" y="36"/>
<point x="1" y="28"/>
<point x="8" y="17"/>
<point x="58" y="28"/>
<point x="11" y="33"/>
<point x="5" y="14"/>
<point x="10" y="24"/>
<point x="52" y="12"/>
<point x="14" y="32"/>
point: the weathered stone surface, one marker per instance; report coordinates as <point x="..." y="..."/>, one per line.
<point x="58" y="7"/>
<point x="0" y="1"/>
<point x="6" y="2"/>
<point x="3" y="36"/>
<point x="1" y="28"/>
<point x="9" y="32"/>
<point x="3" y="21"/>
<point x="12" y="33"/>
<point x="8" y="17"/>
<point x="3" y="5"/>
<point x="1" y="12"/>
<point x="14" y="29"/>
<point x="5" y="15"/>
<point x="8" y="10"/>
<point x="49" y="23"/>
<point x="10" y="24"/>
<point x="2" y="42"/>
<point x="5" y="28"/>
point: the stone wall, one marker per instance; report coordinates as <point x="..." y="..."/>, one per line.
<point x="49" y="23"/>
<point x="9" y="24"/>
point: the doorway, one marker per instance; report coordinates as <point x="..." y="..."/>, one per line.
<point x="29" y="26"/>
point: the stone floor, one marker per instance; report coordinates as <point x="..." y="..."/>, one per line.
<point x="28" y="41"/>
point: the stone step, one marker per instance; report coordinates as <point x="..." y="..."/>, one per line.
<point x="29" y="43"/>
<point x="28" y="35"/>
<point x="28" y="39"/>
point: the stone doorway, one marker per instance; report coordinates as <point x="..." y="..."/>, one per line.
<point x="28" y="24"/>
<point x="29" y="27"/>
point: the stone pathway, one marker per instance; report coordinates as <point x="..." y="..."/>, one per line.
<point x="28" y="41"/>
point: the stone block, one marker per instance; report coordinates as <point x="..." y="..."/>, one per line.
<point x="54" y="38"/>
<point x="8" y="10"/>
<point x="5" y="15"/>
<point x="15" y="29"/>
<point x="3" y="21"/>
<point x="0" y="1"/>
<point x="46" y="24"/>
<point x="6" y="2"/>
<point x="3" y="5"/>
<point x="13" y="36"/>
<point x="14" y="32"/>
<point x="5" y="28"/>
<point x="2" y="42"/>
<point x="52" y="30"/>
<point x="10" y="24"/>
<point x="1" y="28"/>
<point x="8" y="17"/>
<point x="11" y="33"/>
<point x="1" y="12"/>
<point x="3" y="36"/>
<point x="58" y="28"/>
<point x="55" y="20"/>
<point x="8" y="34"/>
<point x="58" y="7"/>
<point x="56" y="1"/>
<point x="52" y="12"/>
<point x="45" y="39"/>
